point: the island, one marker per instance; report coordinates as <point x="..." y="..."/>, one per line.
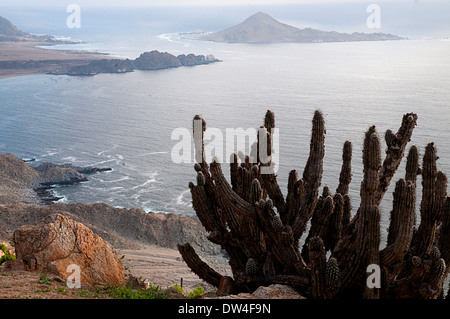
<point x="262" y="28"/>
<point x="153" y="60"/>
<point x="23" y="53"/>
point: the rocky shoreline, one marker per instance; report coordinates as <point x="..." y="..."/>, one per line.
<point x="153" y="60"/>
<point x="119" y="225"/>
<point x="44" y="190"/>
<point x="25" y="54"/>
<point x="53" y="175"/>
<point x="148" y="240"/>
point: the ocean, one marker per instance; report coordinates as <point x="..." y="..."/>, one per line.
<point x="126" y="121"/>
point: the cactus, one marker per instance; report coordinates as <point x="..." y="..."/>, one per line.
<point x="250" y="216"/>
<point x="250" y="267"/>
<point x="256" y="191"/>
<point x="277" y="223"/>
<point x="332" y="272"/>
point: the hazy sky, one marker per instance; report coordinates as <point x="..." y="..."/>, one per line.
<point x="411" y="18"/>
<point x="111" y="3"/>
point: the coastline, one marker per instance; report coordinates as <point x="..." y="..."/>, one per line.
<point x="41" y="60"/>
<point x="27" y="58"/>
<point x="148" y="241"/>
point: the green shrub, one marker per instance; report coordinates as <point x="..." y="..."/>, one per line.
<point x="7" y="255"/>
<point x="178" y="289"/>
<point x="44" y="280"/>
<point x="197" y="292"/>
<point x="128" y="292"/>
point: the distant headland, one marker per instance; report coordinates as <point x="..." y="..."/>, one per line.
<point x="21" y="53"/>
<point x="262" y="28"/>
<point x="153" y="60"/>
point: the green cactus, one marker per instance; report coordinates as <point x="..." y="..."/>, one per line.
<point x="390" y="137"/>
<point x="200" y="179"/>
<point x="276" y="223"/>
<point x="438" y="272"/>
<point x="262" y="203"/>
<point x="412" y="164"/>
<point x="252" y="217"/>
<point x="332" y="273"/>
<point x="435" y="254"/>
<point x="256" y="190"/>
<point x="416" y="261"/>
<point x="250" y="267"/>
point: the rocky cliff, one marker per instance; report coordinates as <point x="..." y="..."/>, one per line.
<point x="122" y="228"/>
<point x="153" y="60"/>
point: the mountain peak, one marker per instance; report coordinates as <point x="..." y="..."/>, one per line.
<point x="258" y="28"/>
<point x="262" y="28"/>
<point x="260" y="15"/>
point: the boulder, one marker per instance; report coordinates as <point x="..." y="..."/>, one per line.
<point x="277" y="291"/>
<point x="58" y="241"/>
<point x="274" y="291"/>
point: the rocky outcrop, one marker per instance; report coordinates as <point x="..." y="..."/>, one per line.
<point x="137" y="226"/>
<point x="102" y="66"/>
<point x="122" y="228"/>
<point x="192" y="59"/>
<point x="58" y="241"/>
<point x="153" y="60"/>
<point x="59" y="174"/>
<point x="18" y="179"/>
<point x="156" y="60"/>
<point x="274" y="291"/>
<point x="65" y="174"/>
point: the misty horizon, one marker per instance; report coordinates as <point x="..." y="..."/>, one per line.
<point x="412" y="19"/>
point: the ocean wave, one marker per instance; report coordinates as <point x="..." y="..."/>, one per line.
<point x="150" y="209"/>
<point x="71" y="159"/>
<point x="50" y="153"/>
<point x="179" y="199"/>
<point x="108" y="150"/>
<point x="125" y="178"/>
<point x="63" y="199"/>
<point x="147" y="182"/>
<point x="153" y="153"/>
<point x="105" y="161"/>
<point x="116" y="188"/>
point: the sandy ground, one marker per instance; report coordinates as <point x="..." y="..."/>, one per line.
<point x="158" y="266"/>
<point x="164" y="267"/>
<point x="22" y="284"/>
